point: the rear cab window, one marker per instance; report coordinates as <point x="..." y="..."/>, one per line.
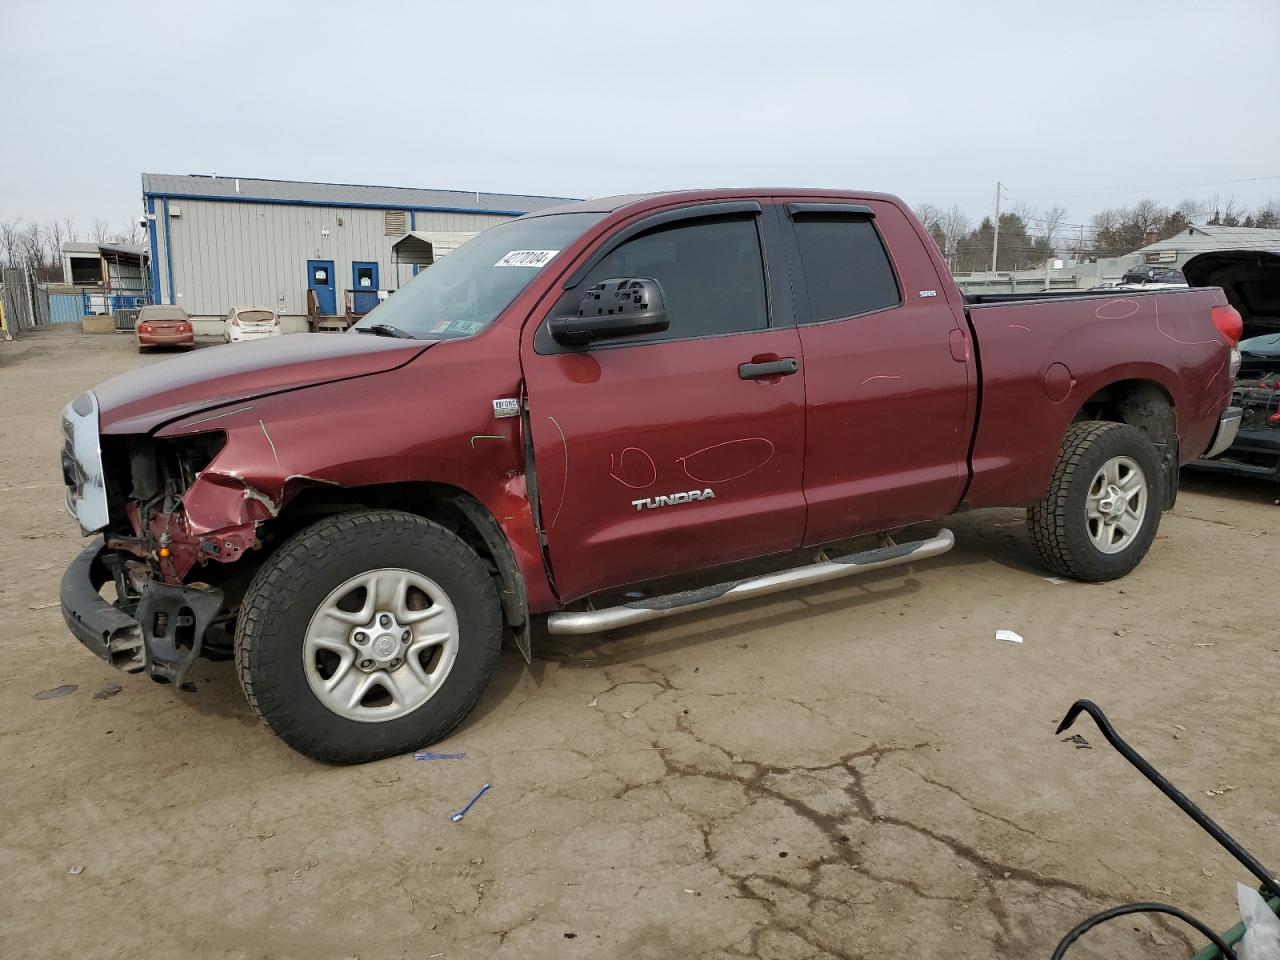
<point x="847" y="271"/>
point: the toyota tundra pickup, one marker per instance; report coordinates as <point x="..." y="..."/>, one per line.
<point x="636" y="394"/>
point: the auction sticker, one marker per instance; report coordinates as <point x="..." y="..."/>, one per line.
<point x="527" y="258"/>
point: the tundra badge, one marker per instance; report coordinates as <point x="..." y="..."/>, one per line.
<point x="671" y="499"/>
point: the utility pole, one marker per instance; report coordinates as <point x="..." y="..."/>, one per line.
<point x="995" y="240"/>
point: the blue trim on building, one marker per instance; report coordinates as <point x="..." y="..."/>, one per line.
<point x="168" y="248"/>
<point x="152" y="262"/>
<point x="413" y="220"/>
<point x="338" y="206"/>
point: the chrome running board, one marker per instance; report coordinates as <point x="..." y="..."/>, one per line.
<point x="653" y="608"/>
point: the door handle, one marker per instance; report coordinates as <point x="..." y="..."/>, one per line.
<point x="771" y="368"/>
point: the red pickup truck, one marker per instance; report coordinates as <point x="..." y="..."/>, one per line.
<point x="611" y="394"/>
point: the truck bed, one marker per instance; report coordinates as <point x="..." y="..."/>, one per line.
<point x="1042" y="357"/>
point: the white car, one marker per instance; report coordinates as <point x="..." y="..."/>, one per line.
<point x="251" y="323"/>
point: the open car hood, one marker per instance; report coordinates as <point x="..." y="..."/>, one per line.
<point x="145" y="398"/>
<point x="1249" y="278"/>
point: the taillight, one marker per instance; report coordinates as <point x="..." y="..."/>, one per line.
<point x="234" y="321"/>
<point x="144" y="328"/>
<point x="1229" y="323"/>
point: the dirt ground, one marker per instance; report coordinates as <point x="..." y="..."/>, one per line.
<point x="858" y="770"/>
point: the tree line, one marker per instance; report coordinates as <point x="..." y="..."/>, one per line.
<point x="37" y="244"/>
<point x="1028" y="237"/>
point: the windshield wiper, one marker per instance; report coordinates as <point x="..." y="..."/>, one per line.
<point x="385" y="330"/>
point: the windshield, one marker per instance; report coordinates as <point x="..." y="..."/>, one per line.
<point x="464" y="292"/>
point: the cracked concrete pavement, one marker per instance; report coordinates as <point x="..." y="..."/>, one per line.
<point x="857" y="770"/>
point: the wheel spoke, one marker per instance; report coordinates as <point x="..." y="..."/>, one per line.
<point x="407" y="687"/>
<point x="1132" y="484"/>
<point x="389" y="588"/>
<point x="1111" y="470"/>
<point x="342" y="670"/>
<point x="419" y="616"/>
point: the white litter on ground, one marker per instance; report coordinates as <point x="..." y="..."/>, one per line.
<point x="1008" y="635"/>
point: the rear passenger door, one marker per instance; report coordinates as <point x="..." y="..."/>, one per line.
<point x="889" y="373"/>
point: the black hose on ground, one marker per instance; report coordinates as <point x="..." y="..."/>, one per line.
<point x="1098" y="918"/>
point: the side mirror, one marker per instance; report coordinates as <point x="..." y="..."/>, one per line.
<point x="619" y="307"/>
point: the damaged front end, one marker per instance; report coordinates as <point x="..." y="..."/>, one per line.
<point x="161" y="586"/>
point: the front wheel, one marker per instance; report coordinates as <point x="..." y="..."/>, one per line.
<point x="1102" y="509"/>
<point x="367" y="635"/>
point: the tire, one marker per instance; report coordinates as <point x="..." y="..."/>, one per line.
<point x="289" y="625"/>
<point x="1071" y="541"/>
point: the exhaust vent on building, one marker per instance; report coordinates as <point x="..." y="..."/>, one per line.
<point x="395" y="223"/>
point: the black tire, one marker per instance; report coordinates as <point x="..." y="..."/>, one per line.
<point x="296" y="579"/>
<point x="1058" y="521"/>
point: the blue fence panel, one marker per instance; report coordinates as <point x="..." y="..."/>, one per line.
<point x="65" y="307"/>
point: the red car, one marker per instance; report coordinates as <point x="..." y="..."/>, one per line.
<point x="163" y="326"/>
<point x="640" y="393"/>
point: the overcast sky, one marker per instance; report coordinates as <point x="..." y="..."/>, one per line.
<point x="1087" y="104"/>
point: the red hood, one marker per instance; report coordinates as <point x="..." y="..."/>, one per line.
<point x="144" y="398"/>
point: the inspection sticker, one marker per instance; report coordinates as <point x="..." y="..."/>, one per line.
<point x="527" y="258"/>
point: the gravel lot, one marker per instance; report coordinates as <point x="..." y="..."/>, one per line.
<point x="849" y="771"/>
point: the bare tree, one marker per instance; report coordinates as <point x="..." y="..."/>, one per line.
<point x="30" y="246"/>
<point x="130" y="233"/>
<point x="99" y="230"/>
<point x="1050" y="223"/>
<point x="55" y="235"/>
<point x="9" y="230"/>
<point x="1020" y="209"/>
<point x="1226" y="211"/>
<point x="955" y="227"/>
<point x="1192" y="211"/>
<point x="928" y="213"/>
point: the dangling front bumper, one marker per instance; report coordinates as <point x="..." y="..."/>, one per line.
<point x="163" y="637"/>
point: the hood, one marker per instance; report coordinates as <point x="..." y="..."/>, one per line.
<point x="1249" y="278"/>
<point x="144" y="398"/>
<point x="1267" y="345"/>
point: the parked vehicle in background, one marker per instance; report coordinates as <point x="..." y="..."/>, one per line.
<point x="1154" y="273"/>
<point x="633" y="393"/>
<point x="251" y="323"/>
<point x="163" y="326"/>
<point x="1251" y="281"/>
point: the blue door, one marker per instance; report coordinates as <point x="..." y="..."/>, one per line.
<point x="364" y="286"/>
<point x="320" y="279"/>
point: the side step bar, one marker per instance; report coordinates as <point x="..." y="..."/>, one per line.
<point x="653" y="608"/>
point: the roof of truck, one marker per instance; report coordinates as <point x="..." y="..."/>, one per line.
<point x="662" y="198"/>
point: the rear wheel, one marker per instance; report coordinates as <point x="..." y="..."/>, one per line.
<point x="368" y="635"/>
<point x="1102" y="509"/>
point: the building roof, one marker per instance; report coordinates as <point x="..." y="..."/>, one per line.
<point x="1198" y="238"/>
<point x="97" y="249"/>
<point x="246" y="190"/>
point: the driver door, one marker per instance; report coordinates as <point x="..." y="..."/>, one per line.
<point x="667" y="453"/>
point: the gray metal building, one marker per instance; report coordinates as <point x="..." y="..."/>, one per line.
<point x="218" y="242"/>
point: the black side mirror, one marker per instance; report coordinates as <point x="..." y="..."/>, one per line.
<point x="619" y="307"/>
